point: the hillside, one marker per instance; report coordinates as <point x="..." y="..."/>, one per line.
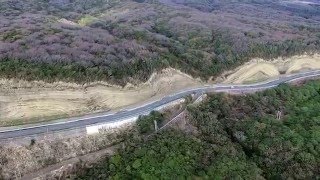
<point x="227" y="137"/>
<point x="126" y="41"/>
<point x="73" y="58"/>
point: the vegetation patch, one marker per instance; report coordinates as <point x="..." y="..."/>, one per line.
<point x="87" y="20"/>
<point x="146" y="124"/>
<point x="12" y="36"/>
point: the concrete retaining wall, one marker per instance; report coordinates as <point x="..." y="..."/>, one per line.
<point x="93" y="129"/>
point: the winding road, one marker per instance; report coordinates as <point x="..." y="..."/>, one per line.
<point x="83" y="122"/>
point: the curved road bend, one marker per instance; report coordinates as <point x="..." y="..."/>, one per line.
<point x="83" y="122"/>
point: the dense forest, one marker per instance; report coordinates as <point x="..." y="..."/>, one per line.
<point x="274" y="134"/>
<point x="125" y="41"/>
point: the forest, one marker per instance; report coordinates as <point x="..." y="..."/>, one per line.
<point x="126" y="41"/>
<point x="234" y="137"/>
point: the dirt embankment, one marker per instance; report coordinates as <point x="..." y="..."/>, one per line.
<point x="24" y="102"/>
<point x="258" y="69"/>
<point x="28" y="102"/>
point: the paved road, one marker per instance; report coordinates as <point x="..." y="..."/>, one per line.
<point x="83" y="122"/>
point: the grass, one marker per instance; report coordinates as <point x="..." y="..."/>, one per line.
<point x="87" y="20"/>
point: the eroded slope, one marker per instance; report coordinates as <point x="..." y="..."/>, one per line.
<point x="26" y="102"/>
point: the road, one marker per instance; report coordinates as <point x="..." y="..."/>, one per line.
<point x="105" y="118"/>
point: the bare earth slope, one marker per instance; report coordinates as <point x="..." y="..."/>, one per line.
<point x="25" y="102"/>
<point x="259" y="69"/>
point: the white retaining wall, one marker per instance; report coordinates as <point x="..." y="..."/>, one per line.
<point x="94" y="129"/>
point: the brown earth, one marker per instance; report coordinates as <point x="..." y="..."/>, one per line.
<point x="258" y="69"/>
<point x="24" y="102"/>
<point x="28" y="102"/>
